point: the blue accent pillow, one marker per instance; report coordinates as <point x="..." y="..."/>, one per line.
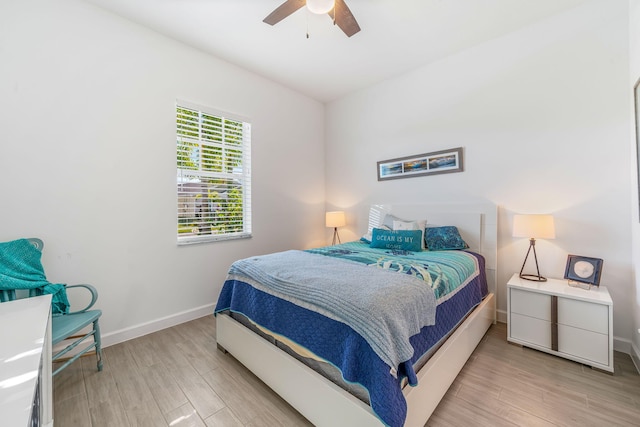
<point x="444" y="238"/>
<point x="407" y="240"/>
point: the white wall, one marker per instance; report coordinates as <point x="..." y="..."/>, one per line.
<point x="87" y="154"/>
<point x="543" y="116"/>
<point x="634" y="62"/>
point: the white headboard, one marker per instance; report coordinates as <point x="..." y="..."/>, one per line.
<point x="477" y="223"/>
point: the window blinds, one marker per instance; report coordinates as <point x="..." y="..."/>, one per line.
<point x="213" y="175"/>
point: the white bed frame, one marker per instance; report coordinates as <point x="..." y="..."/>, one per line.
<point x="326" y="404"/>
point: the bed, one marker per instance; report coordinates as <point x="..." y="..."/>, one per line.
<point x="272" y="345"/>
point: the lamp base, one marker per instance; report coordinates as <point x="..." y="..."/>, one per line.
<point x="336" y="236"/>
<point x="533" y="277"/>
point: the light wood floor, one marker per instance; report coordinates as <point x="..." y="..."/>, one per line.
<point x="177" y="377"/>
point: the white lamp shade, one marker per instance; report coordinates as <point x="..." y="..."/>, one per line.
<point x="335" y="219"/>
<point x="320" y="6"/>
<point x="534" y="226"/>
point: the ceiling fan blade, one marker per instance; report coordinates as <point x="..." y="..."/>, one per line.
<point x="284" y="10"/>
<point x="344" y="18"/>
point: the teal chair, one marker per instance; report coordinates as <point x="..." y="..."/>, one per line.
<point x="73" y="329"/>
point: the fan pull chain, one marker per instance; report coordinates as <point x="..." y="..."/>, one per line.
<point x="306" y="16"/>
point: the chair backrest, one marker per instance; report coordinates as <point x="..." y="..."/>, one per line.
<point x="37" y="243"/>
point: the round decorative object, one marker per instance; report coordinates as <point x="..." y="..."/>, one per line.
<point x="583" y="269"/>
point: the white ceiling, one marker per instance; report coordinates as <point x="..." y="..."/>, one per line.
<point x="397" y="35"/>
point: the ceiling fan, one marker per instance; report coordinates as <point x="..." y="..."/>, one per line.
<point x="336" y="9"/>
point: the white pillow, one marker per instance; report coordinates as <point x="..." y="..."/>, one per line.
<point x="405" y="225"/>
<point x="411" y="225"/>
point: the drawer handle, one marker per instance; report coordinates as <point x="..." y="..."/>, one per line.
<point x="554" y="323"/>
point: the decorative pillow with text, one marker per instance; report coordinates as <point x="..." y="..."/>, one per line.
<point x="408" y="240"/>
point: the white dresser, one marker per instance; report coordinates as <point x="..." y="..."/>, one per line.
<point x="25" y="362"/>
<point x="566" y="321"/>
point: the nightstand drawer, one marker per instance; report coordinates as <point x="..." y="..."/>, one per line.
<point x="562" y="320"/>
<point x="584" y="344"/>
<point x="530" y="329"/>
<point x="583" y="315"/>
<point x="530" y="304"/>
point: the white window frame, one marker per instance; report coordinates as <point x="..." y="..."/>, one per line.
<point x="189" y="221"/>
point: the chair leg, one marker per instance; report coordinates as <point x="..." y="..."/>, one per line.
<point x="98" y="341"/>
<point x="69" y="360"/>
<point x="96" y="346"/>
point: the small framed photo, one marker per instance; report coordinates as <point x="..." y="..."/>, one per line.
<point x="583" y="269"/>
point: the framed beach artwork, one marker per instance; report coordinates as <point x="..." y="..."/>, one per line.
<point x="437" y="162"/>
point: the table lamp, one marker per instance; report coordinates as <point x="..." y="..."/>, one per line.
<point x="335" y="219"/>
<point x="534" y="227"/>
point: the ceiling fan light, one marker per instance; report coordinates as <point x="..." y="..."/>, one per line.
<point x="320" y="6"/>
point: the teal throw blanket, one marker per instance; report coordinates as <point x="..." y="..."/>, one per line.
<point x="20" y="268"/>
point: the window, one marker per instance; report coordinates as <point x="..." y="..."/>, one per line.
<point x="214" y="175"/>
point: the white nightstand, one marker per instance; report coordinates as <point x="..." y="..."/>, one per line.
<point x="569" y="322"/>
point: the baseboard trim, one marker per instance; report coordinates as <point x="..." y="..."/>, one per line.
<point x="142" y="329"/>
<point x="621" y="345"/>
<point x="501" y="316"/>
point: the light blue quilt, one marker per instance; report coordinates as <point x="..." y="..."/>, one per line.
<point x="443" y="271"/>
